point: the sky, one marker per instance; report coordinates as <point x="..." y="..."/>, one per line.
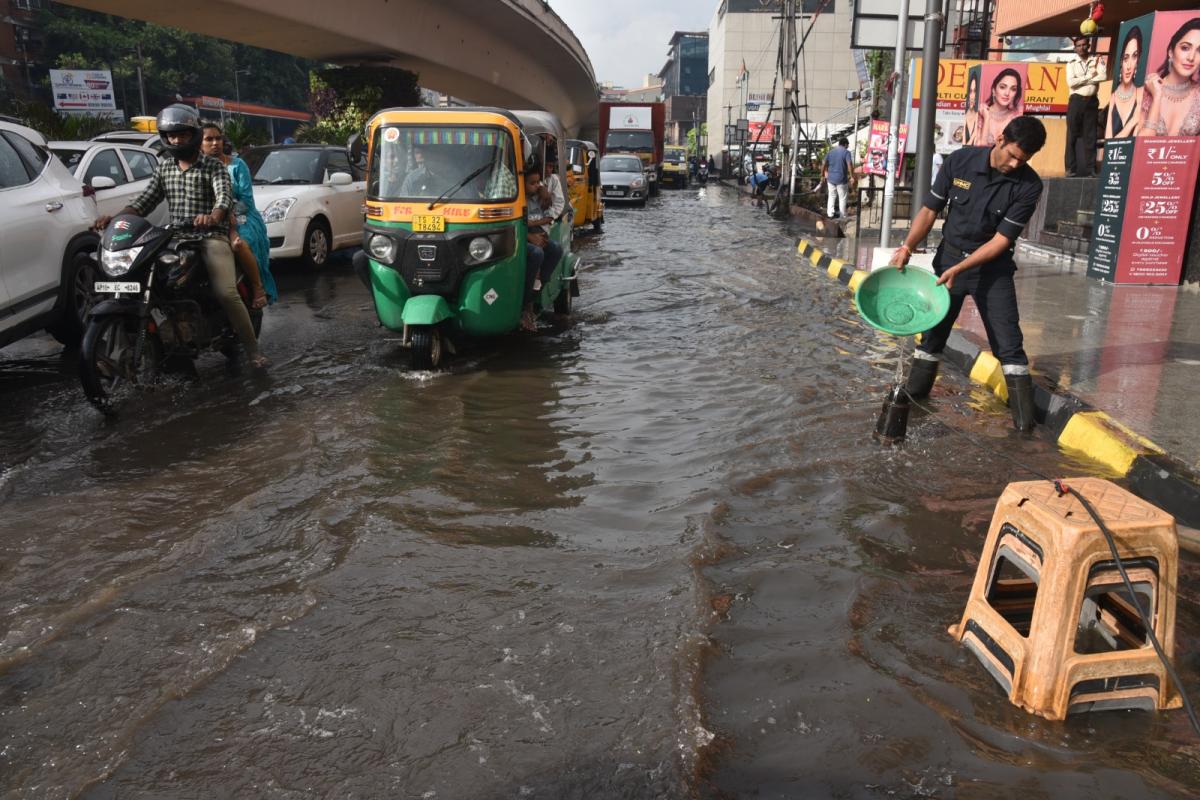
<point x="626" y="39"/>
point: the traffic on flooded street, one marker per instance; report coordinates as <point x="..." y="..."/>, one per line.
<point x="654" y="552"/>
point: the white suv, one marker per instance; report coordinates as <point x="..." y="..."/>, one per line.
<point x="46" y="245"/>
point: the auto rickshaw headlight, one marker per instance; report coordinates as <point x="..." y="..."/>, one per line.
<point x="480" y="248"/>
<point x="382" y="248"/>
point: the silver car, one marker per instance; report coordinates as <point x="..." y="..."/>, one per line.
<point x="623" y="178"/>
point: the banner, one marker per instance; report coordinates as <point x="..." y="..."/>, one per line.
<point x="877" y="147"/>
<point x="82" y="90"/>
<point x="1148" y="180"/>
<point x="1045" y="89"/>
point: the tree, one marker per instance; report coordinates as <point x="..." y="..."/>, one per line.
<point x="692" y="145"/>
<point x="174" y="62"/>
<point x="342" y="99"/>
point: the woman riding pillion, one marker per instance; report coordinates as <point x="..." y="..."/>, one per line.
<point x="445" y="256"/>
<point x="203" y="203"/>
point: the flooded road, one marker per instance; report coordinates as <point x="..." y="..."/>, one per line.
<point x="655" y="554"/>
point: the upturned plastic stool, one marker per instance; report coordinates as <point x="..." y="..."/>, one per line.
<point x="1049" y="616"/>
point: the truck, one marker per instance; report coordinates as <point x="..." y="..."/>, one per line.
<point x="635" y="128"/>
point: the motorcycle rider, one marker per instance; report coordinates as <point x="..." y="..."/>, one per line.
<point x="198" y="192"/>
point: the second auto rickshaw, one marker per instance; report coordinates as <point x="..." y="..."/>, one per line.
<point x="583" y="180"/>
<point x="444" y="243"/>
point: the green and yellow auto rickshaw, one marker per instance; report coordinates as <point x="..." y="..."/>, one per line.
<point x="583" y="179"/>
<point x="444" y="242"/>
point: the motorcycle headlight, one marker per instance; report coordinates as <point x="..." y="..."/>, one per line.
<point x="381" y="248"/>
<point x="480" y="248"/>
<point x="278" y="209"/>
<point x="118" y="262"/>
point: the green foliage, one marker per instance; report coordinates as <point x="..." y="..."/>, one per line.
<point x="242" y="134"/>
<point x="880" y="64"/>
<point x="342" y="99"/>
<point x="173" y="61"/>
<point x="59" y="127"/>
<point x="691" y="137"/>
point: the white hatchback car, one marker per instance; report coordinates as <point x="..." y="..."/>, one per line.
<point x="117" y="172"/>
<point x="46" y="241"/>
<point x="311" y="198"/>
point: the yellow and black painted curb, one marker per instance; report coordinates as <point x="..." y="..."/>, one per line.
<point x="1078" y="427"/>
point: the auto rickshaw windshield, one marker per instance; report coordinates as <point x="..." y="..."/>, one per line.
<point x="422" y="163"/>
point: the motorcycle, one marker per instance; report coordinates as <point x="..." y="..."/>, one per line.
<point x="159" y="309"/>
<point x="702" y="173"/>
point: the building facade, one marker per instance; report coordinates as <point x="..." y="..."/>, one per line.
<point x="685" y="84"/>
<point x="743" y="51"/>
<point x="20" y="43"/>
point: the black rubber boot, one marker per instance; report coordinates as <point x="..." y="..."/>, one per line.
<point x="920" y="377"/>
<point x="1020" y="400"/>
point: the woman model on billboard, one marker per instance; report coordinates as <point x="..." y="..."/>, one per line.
<point x="1004" y="105"/>
<point x="1124" y="110"/>
<point x="1171" y="106"/>
<point x="971" y="118"/>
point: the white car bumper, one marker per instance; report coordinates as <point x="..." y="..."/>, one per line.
<point x="287" y="236"/>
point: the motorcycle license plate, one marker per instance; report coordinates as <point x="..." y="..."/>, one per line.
<point x="429" y="223"/>
<point x="117" y="287"/>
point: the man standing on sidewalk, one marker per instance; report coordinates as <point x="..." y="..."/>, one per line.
<point x="837" y="172"/>
<point x="991" y="193"/>
<point x="1083" y="76"/>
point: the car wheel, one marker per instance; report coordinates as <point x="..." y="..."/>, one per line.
<point x="77" y="295"/>
<point x="316" y="243"/>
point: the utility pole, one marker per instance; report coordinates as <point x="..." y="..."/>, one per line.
<point x="898" y="97"/>
<point x="789" y="76"/>
<point x="141" y="82"/>
<point x="925" y="119"/>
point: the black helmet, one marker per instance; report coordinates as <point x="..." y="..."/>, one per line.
<point x="178" y="118"/>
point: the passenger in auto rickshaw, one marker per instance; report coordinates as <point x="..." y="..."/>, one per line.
<point x="542" y="253"/>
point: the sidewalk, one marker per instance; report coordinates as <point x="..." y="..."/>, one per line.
<point x="1117" y="368"/>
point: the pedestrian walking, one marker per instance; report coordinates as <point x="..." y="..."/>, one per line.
<point x="991" y="192"/>
<point x="838" y="172"/>
<point x="1083" y="77"/>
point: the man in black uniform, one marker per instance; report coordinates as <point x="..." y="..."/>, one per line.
<point x="992" y="193"/>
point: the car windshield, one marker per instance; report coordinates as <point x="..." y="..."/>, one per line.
<point x="676" y="156"/>
<point x="275" y="167"/>
<point x="629" y="141"/>
<point x="620" y="164"/>
<point x="411" y="162"/>
<point x="69" y="157"/>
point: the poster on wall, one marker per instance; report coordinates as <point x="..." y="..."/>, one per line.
<point x="1148" y="179"/>
<point x="999" y="92"/>
<point x="1045" y="92"/>
<point x="877" y="148"/>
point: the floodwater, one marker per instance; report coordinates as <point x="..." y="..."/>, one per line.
<point x="652" y="554"/>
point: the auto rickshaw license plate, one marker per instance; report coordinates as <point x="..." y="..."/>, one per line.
<point x="429" y="223"/>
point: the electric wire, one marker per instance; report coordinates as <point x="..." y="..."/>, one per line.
<point x="1063" y="488"/>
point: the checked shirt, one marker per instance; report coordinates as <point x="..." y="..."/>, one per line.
<point x="204" y="188"/>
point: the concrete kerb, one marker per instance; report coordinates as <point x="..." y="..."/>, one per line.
<point x="1076" y="426"/>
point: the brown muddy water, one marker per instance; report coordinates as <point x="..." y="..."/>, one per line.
<point x="655" y="554"/>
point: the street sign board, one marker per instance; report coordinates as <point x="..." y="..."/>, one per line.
<point x="82" y="89"/>
<point x="874" y="24"/>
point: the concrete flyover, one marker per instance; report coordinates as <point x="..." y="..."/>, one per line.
<point x="508" y="53"/>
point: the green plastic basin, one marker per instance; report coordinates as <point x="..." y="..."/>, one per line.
<point x="902" y="303"/>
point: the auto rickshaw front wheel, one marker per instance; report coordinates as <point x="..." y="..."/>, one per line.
<point x="426" y="347"/>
